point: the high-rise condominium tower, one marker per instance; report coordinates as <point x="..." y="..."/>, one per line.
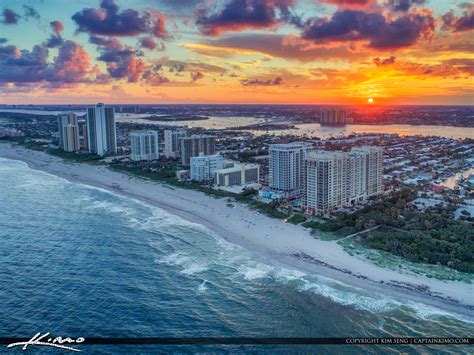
<point x="144" y="145"/>
<point x="101" y="130"/>
<point x="196" y="145"/>
<point x="334" y="116"/>
<point x="336" y="179"/>
<point x="287" y="167"/>
<point x="68" y="132"/>
<point x="173" y="142"/>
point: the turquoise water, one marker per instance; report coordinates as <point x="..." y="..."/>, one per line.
<point x="80" y="261"/>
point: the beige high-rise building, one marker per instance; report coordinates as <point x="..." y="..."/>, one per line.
<point x="196" y="145"/>
<point x="338" y="179"/>
<point x="63" y="121"/>
<point x="71" y="138"/>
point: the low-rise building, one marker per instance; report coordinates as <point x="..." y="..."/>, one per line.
<point x="239" y="174"/>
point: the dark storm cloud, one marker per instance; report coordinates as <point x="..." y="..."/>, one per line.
<point x="381" y="33"/>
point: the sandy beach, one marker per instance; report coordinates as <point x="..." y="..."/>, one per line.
<point x="271" y="240"/>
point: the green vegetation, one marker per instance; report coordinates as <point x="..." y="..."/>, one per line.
<point x="399" y="264"/>
<point x="296" y="219"/>
<point x="432" y="237"/>
<point x="69" y="156"/>
<point x="74" y="157"/>
<point x="311" y="224"/>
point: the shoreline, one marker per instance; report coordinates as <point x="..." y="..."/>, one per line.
<point x="271" y="240"/>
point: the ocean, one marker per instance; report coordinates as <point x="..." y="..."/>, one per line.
<point x="79" y="261"/>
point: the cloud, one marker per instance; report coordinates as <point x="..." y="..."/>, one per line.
<point x="10" y="17"/>
<point x="239" y="15"/>
<point x="111" y="43"/>
<point x="454" y="23"/>
<point x="349" y="3"/>
<point x="153" y="75"/>
<point x="148" y="43"/>
<point x="380" y="32"/>
<point x="288" y="47"/>
<point x="258" y="82"/>
<point x="56" y="39"/>
<point x="30" y="12"/>
<point x="383" y="62"/>
<point x="403" y="5"/>
<point x="123" y="64"/>
<point x="71" y="65"/>
<point x="109" y="21"/>
<point x="3" y="40"/>
<point x="196" y="76"/>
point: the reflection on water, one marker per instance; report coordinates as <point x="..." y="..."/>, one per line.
<point x="316" y="130"/>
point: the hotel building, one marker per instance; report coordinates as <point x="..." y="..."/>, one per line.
<point x="144" y="145"/>
<point x="239" y="174"/>
<point x="101" y="130"/>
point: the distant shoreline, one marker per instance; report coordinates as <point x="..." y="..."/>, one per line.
<point x="271" y="240"/>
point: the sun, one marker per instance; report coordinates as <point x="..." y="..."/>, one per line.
<point x="370" y="100"/>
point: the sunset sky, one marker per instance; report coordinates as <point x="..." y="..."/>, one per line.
<point x="237" y="51"/>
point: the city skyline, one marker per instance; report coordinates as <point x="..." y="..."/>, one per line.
<point x="235" y="51"/>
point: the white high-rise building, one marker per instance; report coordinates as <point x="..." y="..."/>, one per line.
<point x="337" y="179"/>
<point x="287" y="167"/>
<point x="173" y="142"/>
<point x="63" y="122"/>
<point x="101" y="130"/>
<point x="203" y="167"/>
<point x="144" y="145"/>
